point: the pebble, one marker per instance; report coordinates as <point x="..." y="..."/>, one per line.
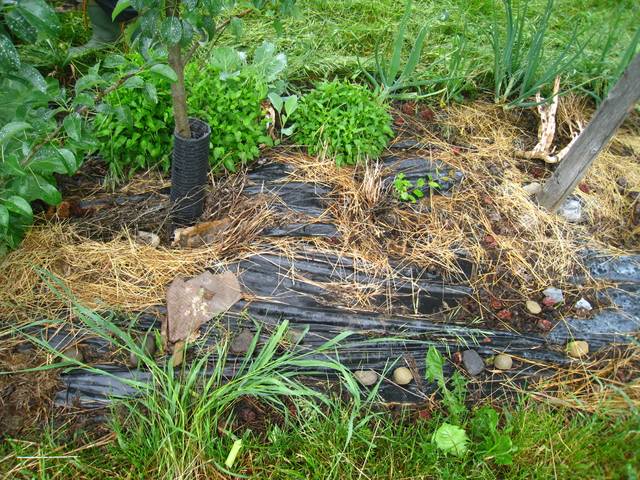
<point x="503" y="361"/>
<point x="472" y="362"/>
<point x="571" y="210"/>
<point x="533" y="308"/>
<point x="74" y="353"/>
<point x="554" y="294"/>
<point x="241" y="343"/>
<point x="532" y="189"/>
<point x="149" y="348"/>
<point x="583" y="304"/>
<point x="366" y="377"/>
<point x="577" y="348"/>
<point x="148" y="238"/>
<point x="402" y="376"/>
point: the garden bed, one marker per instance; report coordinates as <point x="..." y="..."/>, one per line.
<point x="330" y="249"/>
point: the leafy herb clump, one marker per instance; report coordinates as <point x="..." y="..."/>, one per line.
<point x="136" y="128"/>
<point x="232" y="106"/>
<point x="343" y="120"/>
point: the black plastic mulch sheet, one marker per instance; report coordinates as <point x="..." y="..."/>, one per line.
<point x="407" y="307"/>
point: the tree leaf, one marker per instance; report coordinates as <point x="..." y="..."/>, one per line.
<point x="119" y="8"/>
<point x="451" y="439"/>
<point x="133" y="82"/>
<point x="151" y="92"/>
<point x="4" y="218"/>
<point x="40" y="15"/>
<point x="171" y="30"/>
<point x="36" y="187"/>
<point x="18" y="205"/>
<point x="69" y="159"/>
<point x="12" y="129"/>
<point x="20" y="27"/>
<point x="73" y="126"/>
<point x="9" y="58"/>
<point x="291" y="104"/>
<point x="32" y="76"/>
<point x="164" y="71"/>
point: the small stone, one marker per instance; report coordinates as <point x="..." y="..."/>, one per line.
<point x="532" y="189"/>
<point x="74" y="353"/>
<point x="583" y="304"/>
<point x="577" y="348"/>
<point x="533" y="308"/>
<point x="241" y="343"/>
<point x="366" y="377"/>
<point x="148" y="238"/>
<point x="402" y="376"/>
<point x="473" y="363"/>
<point x="554" y="294"/>
<point x="571" y="210"/>
<point x="503" y="361"/>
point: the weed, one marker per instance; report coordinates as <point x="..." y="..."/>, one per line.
<point x="232" y="106"/>
<point x="405" y="190"/>
<point x="520" y="68"/>
<point x="344" y="121"/>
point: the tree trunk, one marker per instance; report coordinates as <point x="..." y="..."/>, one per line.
<point x="178" y="93"/>
<point x="594" y="138"/>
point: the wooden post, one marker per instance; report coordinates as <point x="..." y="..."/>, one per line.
<point x="621" y="99"/>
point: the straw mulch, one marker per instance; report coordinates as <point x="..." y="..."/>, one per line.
<point x="489" y="219"/>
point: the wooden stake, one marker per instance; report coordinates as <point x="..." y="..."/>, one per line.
<point x="621" y="99"/>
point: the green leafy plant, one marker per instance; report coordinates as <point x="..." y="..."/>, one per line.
<point x="42" y="133"/>
<point x="180" y="27"/>
<point x="135" y="126"/>
<point x="344" y="121"/>
<point x="451" y="439"/>
<point x="390" y="77"/>
<point x="491" y="444"/>
<point x="405" y="190"/>
<point x="232" y="105"/>
<point x="454" y="398"/>
<point x="284" y="107"/>
<point x="520" y="67"/>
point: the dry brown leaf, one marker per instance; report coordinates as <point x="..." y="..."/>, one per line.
<point x="202" y="234"/>
<point x="190" y="303"/>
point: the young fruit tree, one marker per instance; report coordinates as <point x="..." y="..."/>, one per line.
<point x="584" y="151"/>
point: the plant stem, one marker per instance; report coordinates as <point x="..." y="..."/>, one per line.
<point x="178" y="93"/>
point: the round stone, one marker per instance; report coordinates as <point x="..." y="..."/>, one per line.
<point x="578" y="349"/>
<point x="366" y="377"/>
<point x="503" y="361"/>
<point x="402" y="376"/>
<point x="533" y="308"/>
<point x="472" y="362"/>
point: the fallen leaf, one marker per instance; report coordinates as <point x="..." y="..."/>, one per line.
<point x="496" y="304"/>
<point x="504" y="315"/>
<point x="202" y="234"/>
<point x="427" y="114"/>
<point x="409" y="108"/>
<point x="191" y="303"/>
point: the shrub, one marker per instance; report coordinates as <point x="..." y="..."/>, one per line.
<point x="232" y="106"/>
<point x="343" y="120"/>
<point x="136" y="131"/>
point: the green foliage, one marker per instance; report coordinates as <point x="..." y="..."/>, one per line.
<point x="453" y="399"/>
<point x="520" y="67"/>
<point x="451" y="439"/>
<point x="285" y="107"/>
<point x="232" y="105"/>
<point x="41" y="133"/>
<point x="390" y="77"/>
<point x="490" y="443"/>
<point x="344" y="121"/>
<point x="405" y="190"/>
<point x="135" y="128"/>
